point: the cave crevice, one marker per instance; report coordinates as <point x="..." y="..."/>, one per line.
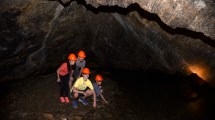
<point x="149" y="16"/>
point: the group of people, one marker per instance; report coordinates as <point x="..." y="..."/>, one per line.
<point x="72" y="77"/>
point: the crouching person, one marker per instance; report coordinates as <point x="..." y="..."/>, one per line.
<point x="82" y="89"/>
<point x="98" y="87"/>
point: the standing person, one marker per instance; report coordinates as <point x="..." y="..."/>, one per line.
<point x="64" y="74"/>
<point x="79" y="64"/>
<point x="83" y="87"/>
<point x="98" y="87"/>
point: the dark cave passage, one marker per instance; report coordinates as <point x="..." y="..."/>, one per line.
<point x="156" y="95"/>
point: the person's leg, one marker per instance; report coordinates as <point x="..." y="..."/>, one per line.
<point x="70" y="87"/>
<point x="75" y="103"/>
<point x="75" y="95"/>
<point x="66" y="88"/>
<point x="88" y="93"/>
<point x="66" y="85"/>
<point x="70" y="84"/>
<point x="61" y="90"/>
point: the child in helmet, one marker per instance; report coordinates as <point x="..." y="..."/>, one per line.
<point x="83" y="87"/>
<point x="64" y="74"/>
<point x="98" y="87"/>
<point x="79" y="64"/>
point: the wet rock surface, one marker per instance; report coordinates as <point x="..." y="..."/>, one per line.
<point x="157" y="96"/>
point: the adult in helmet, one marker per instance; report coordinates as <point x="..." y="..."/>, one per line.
<point x="64" y="74"/>
<point x="83" y="87"/>
<point x="79" y="64"/>
<point x="98" y="87"/>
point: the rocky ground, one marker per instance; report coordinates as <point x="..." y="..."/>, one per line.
<point x="38" y="98"/>
<point x="148" y="97"/>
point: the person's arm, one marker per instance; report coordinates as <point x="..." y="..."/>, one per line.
<point x="58" y="76"/>
<point x="103" y="98"/>
<point x="100" y="94"/>
<point x="80" y="72"/>
<point x="62" y="67"/>
<point x="71" y="75"/>
<point x="94" y="93"/>
<point x="94" y="99"/>
<point x="71" y="78"/>
<point x="78" y="91"/>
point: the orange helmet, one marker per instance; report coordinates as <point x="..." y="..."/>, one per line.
<point x="72" y="57"/>
<point x="98" y="78"/>
<point x="86" y="71"/>
<point x="81" y="54"/>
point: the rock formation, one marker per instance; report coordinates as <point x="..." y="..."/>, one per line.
<point x="196" y="15"/>
<point x="170" y="36"/>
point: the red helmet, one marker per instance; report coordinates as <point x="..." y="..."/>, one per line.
<point x="98" y="78"/>
<point x="86" y="71"/>
<point x="72" y="57"/>
<point x="81" y="54"/>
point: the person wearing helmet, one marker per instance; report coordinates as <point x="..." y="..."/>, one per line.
<point x="79" y="64"/>
<point x="83" y="87"/>
<point x="64" y="74"/>
<point x="98" y="87"/>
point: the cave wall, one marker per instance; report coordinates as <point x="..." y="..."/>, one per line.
<point x="191" y="14"/>
<point x="37" y="36"/>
